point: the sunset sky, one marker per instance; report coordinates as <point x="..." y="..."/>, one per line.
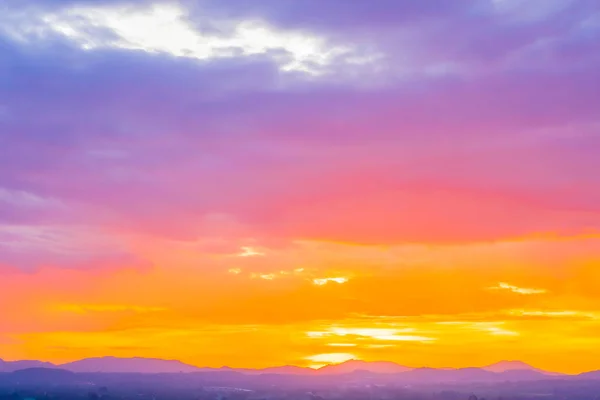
<point x="265" y="182"/>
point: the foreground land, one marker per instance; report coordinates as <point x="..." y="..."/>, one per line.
<point x="55" y="384"/>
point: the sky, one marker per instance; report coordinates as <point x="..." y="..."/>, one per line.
<point x="271" y="182"/>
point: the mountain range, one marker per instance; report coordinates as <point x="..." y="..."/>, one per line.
<point x="508" y="370"/>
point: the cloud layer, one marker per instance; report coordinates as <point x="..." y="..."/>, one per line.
<point x="339" y="151"/>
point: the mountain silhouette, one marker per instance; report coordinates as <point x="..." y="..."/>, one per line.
<point x="379" y="367"/>
<point x="11" y="366"/>
<point x="593" y="375"/>
<point x="515" y="365"/>
<point x="498" y="372"/>
<point x="129" y="365"/>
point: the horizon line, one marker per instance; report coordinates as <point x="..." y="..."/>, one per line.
<point x="298" y="366"/>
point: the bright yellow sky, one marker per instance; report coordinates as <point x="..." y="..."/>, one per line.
<point x="309" y="303"/>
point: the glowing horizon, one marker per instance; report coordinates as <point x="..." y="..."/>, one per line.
<point x="255" y="184"/>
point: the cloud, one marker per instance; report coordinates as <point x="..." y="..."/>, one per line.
<point x="517" y="289"/>
<point x="30" y="247"/>
<point x="164" y="28"/>
<point x="267" y="277"/>
<point x="372" y="334"/>
<point x="550" y="314"/>
<point x="324" y="281"/>
<point x="250" y="252"/>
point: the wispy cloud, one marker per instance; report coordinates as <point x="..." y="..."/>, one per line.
<point x="517" y="289"/>
<point x="555" y="313"/>
<point x="250" y="252"/>
<point x="495" y="328"/>
<point x="378" y="334"/>
<point x="267" y="277"/>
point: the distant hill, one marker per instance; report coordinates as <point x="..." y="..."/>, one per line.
<point x="379" y="367"/>
<point x="592" y="375"/>
<point x="464" y="375"/>
<point x="129" y="365"/>
<point x="498" y="372"/>
<point x="11" y="366"/>
<point x="504" y="366"/>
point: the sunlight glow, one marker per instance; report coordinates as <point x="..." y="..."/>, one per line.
<point x="330" y="358"/>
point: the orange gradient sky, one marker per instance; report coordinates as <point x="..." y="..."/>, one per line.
<point x="434" y="305"/>
<point x="264" y="185"/>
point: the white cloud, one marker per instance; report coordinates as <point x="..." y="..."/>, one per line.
<point x="324" y="281"/>
<point x="493" y="328"/>
<point x="382" y="334"/>
<point x="249" y="252"/>
<point x="267" y="277"/>
<point x="517" y="289"/>
<point x="166" y="28"/>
